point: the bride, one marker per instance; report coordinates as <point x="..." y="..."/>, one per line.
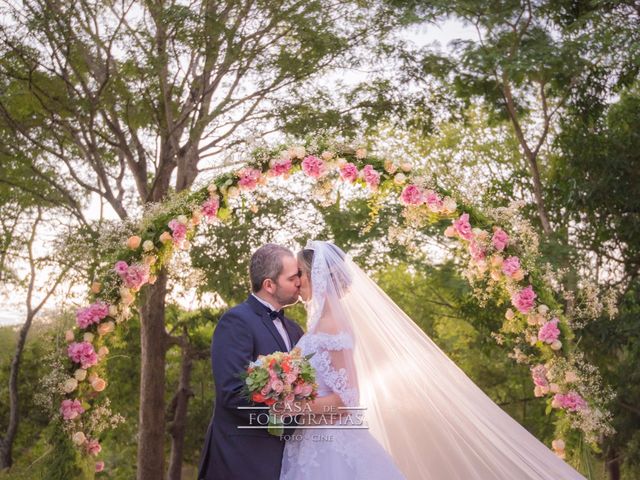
<point x="426" y="419"/>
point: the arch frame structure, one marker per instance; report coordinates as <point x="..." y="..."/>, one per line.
<point x="501" y="261"/>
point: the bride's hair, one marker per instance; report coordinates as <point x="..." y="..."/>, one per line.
<point x="305" y="257"/>
<point x="339" y="274"/>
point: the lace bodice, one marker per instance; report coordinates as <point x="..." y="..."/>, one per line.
<point x="342" y="453"/>
<point x="325" y="348"/>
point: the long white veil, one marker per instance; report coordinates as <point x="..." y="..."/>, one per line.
<point x="430" y="417"/>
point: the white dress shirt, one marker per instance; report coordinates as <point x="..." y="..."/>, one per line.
<point x="277" y="322"/>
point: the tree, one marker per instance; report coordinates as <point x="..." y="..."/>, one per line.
<point x="194" y="344"/>
<point x="599" y="165"/>
<point x="32" y="284"/>
<point x="29" y="195"/>
<point x="527" y="62"/>
<point x="598" y="195"/>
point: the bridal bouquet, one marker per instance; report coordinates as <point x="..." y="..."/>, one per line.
<point x="280" y="378"/>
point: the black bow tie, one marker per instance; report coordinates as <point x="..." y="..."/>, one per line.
<point x="276" y="314"/>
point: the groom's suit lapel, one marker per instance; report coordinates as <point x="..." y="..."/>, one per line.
<point x="262" y="312"/>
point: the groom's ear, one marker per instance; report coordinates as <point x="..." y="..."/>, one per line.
<point x="269" y="285"/>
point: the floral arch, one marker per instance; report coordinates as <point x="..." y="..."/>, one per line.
<point x="500" y="264"/>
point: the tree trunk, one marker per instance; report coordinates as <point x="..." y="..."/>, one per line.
<point x="530" y="156"/>
<point x="154" y="344"/>
<point x="613" y="465"/>
<point x="187" y="170"/>
<point x="537" y="192"/>
<point x="178" y="424"/>
<point x="6" y="444"/>
<point x="153" y="339"/>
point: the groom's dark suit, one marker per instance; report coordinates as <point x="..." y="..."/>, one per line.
<point x="232" y="453"/>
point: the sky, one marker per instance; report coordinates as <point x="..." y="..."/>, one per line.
<point x="443" y="33"/>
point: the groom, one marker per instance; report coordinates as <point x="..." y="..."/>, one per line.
<point x="255" y="327"/>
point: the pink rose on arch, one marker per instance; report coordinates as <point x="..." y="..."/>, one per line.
<point x="539" y="375"/>
<point x="500" y="239"/>
<point x="371" y="176"/>
<point x="313" y="166"/>
<point x="99" y="466"/>
<point x="412" y="195"/>
<point x="210" y="208"/>
<point x="249" y="178"/>
<point x="281" y="167"/>
<point x="549" y="332"/>
<point x="93" y="447"/>
<point x="178" y="231"/>
<point x="136" y="276"/>
<point x="433" y="200"/>
<point x="510" y="266"/>
<point x="571" y="401"/>
<point x="463" y="227"/>
<point x="82" y="353"/>
<point x="92" y="314"/>
<point x="71" y="409"/>
<point x="524" y="299"/>
<point x="133" y="276"/>
<point x="476" y="250"/>
<point x="121" y="267"/>
<point x="349" y="172"/>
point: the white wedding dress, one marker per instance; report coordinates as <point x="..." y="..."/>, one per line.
<point x="342" y="453"/>
<point x="426" y="419"/>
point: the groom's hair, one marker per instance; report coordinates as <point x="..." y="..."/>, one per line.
<point x="266" y="262"/>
